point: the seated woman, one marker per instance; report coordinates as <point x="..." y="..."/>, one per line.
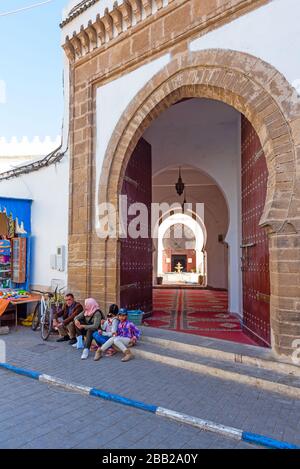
<point x="87" y="323"/>
<point x="108" y="328"/>
<point x="127" y="334"/>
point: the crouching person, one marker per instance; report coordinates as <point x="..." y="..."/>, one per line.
<point x="87" y="323"/>
<point x="127" y="334"/>
<point x="64" y="320"/>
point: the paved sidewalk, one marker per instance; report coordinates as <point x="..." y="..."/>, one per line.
<point x="36" y="416"/>
<point x="40" y="407"/>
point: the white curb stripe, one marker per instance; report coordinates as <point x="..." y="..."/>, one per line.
<point x="70" y="386"/>
<point x="200" y="423"/>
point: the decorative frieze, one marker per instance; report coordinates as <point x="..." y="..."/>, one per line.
<point x="100" y="30"/>
<point x="117" y="18"/>
<point x="92" y="34"/>
<point x="136" y="6"/>
<point x="109" y="26"/>
<point x="147" y="5"/>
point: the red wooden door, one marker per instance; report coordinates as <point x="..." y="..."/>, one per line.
<point x="136" y="254"/>
<point x="255" y="249"/>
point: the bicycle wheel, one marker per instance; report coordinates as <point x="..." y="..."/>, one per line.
<point x="36" y="317"/>
<point x="46" y="324"/>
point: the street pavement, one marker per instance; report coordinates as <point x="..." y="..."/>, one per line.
<point x="37" y="415"/>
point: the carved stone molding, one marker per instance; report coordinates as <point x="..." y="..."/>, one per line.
<point x="109" y="26"/>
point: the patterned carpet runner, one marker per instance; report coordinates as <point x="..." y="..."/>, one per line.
<point x="201" y="312"/>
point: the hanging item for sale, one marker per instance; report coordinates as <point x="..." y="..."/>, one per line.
<point x="11" y="226"/>
<point x="3" y="224"/>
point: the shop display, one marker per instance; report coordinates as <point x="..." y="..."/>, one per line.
<point x="5" y="263"/>
<point x="15" y="231"/>
<point x="13" y="294"/>
<point x="18" y="260"/>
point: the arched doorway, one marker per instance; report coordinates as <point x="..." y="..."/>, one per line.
<point x="242" y="81"/>
<point x="205" y="132"/>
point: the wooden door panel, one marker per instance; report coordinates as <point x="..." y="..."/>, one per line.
<point x="136" y="254"/>
<point x="255" y="250"/>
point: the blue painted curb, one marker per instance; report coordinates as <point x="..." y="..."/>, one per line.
<point x="266" y="441"/>
<point x="123" y="400"/>
<point x="245" y="436"/>
<point x="21" y="371"/>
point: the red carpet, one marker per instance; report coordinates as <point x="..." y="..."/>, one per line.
<point x="201" y="312"/>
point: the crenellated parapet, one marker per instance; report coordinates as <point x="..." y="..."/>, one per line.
<point x="24" y="147"/>
<point x="108" y="26"/>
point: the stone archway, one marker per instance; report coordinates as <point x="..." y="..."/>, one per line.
<point x="261" y="93"/>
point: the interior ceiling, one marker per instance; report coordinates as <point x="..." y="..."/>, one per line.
<point x="197" y="122"/>
<point x="200" y="114"/>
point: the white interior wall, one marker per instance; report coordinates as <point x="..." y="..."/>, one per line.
<point x="49" y="190"/>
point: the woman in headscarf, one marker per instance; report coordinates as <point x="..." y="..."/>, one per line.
<point x="87" y="323"/>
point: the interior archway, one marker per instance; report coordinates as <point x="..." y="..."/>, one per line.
<point x="180" y="250"/>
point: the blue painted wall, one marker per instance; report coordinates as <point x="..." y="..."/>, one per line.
<point x="21" y="209"/>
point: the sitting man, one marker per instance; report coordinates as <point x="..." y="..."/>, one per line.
<point x="64" y="320"/>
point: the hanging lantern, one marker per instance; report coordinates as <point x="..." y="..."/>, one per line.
<point x="179" y="184"/>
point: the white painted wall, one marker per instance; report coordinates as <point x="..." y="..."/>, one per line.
<point x="16" y="152"/>
<point x="271" y="32"/>
<point x="49" y="190"/>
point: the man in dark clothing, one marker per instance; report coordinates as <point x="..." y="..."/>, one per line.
<point x="64" y="320"/>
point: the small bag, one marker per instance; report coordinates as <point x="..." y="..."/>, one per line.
<point x="79" y="344"/>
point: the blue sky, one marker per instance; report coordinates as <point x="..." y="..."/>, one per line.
<point x="31" y="67"/>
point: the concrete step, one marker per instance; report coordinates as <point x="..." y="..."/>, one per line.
<point x="268" y="380"/>
<point x="220" y="350"/>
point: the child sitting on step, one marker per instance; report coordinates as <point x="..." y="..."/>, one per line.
<point x="127" y="334"/>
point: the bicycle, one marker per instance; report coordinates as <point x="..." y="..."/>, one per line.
<point x="44" y="311"/>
